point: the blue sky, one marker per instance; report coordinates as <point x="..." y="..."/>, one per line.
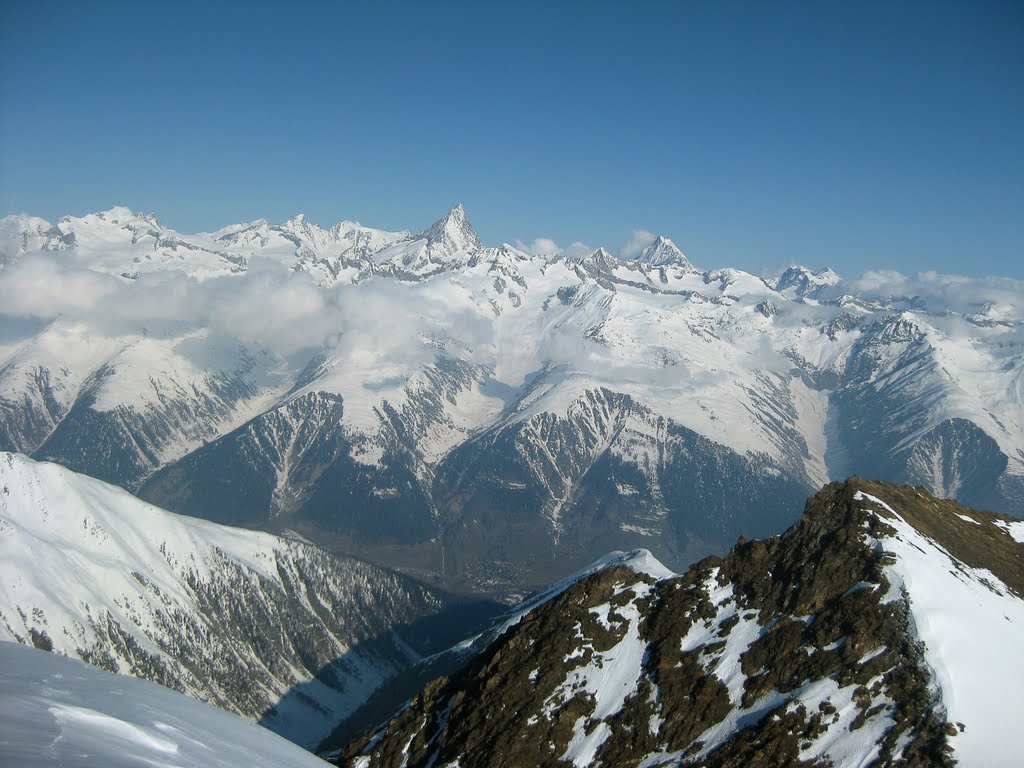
<point x="863" y="135"/>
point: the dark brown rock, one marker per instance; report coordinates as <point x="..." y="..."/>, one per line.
<point x="814" y="649"/>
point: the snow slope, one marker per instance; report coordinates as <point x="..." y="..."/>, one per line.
<point x="253" y="623"/>
<point x="972" y="626"/>
<point x="59" y="711"/>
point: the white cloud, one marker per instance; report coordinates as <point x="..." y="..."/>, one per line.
<point x="996" y="297"/>
<point x="641" y="239"/>
<point x="878" y="281"/>
<point x="285" y="312"/>
<point x="279" y="312"/>
<point x="577" y="250"/>
<point x="46" y="287"/>
<point x="545" y="246"/>
<point x="542" y="246"/>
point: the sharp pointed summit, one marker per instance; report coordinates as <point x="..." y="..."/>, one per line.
<point x="664" y="253"/>
<point x="453" y="232"/>
<point x="298" y="223"/>
<point x="600" y="260"/>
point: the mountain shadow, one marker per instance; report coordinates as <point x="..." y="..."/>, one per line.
<point x="341" y="689"/>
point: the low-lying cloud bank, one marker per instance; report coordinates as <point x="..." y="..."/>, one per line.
<point x="268" y="307"/>
<point x="1000" y="298"/>
<point x="284" y="311"/>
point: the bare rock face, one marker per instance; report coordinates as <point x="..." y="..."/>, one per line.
<point x="801" y="649"/>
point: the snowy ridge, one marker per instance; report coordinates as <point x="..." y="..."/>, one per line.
<point x="801" y="282"/>
<point x="640" y="561"/>
<point x="610" y="677"/>
<point x="954" y="605"/>
<point x="88" y="570"/>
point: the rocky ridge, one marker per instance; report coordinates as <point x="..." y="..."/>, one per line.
<point x="810" y="648"/>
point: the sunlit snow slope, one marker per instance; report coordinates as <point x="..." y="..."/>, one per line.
<point x="972" y="626"/>
<point x="59" y="711"/>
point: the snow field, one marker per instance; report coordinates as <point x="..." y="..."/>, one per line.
<point x="60" y="711"/>
<point x="971" y="625"/>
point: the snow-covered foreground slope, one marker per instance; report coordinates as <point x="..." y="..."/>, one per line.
<point x="480" y="413"/>
<point x="258" y="625"/>
<point x="60" y="711"/>
<point x="882" y="629"/>
<point x="972" y="625"/>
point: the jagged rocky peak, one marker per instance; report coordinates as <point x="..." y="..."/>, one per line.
<point x="802" y="282"/>
<point x="505" y="259"/>
<point x="664" y="253"/>
<point x="877" y="630"/>
<point x="510" y="252"/>
<point x="305" y="229"/>
<point x="453" y="232"/>
<point x="898" y="328"/>
<point x="300" y="222"/>
<point x="600" y="260"/>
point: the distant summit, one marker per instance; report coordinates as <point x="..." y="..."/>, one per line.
<point x="801" y="282"/>
<point x="600" y="260"/>
<point x="453" y="232"/>
<point x="664" y="253"/>
<point x="416" y="391"/>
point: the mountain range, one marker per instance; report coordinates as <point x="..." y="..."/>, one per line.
<point x="489" y="418"/>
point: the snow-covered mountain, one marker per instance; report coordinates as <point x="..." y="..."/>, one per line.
<point x="268" y="628"/>
<point x="801" y="282"/>
<point x="881" y="629"/>
<point x="662" y="252"/>
<point x="59" y="711"/>
<point x="483" y="414"/>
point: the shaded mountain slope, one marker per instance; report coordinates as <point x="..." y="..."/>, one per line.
<point x="262" y="626"/>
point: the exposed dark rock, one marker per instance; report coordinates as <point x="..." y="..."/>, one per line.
<point x="747" y="659"/>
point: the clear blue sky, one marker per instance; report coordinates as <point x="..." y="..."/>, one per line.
<point x="857" y="135"/>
